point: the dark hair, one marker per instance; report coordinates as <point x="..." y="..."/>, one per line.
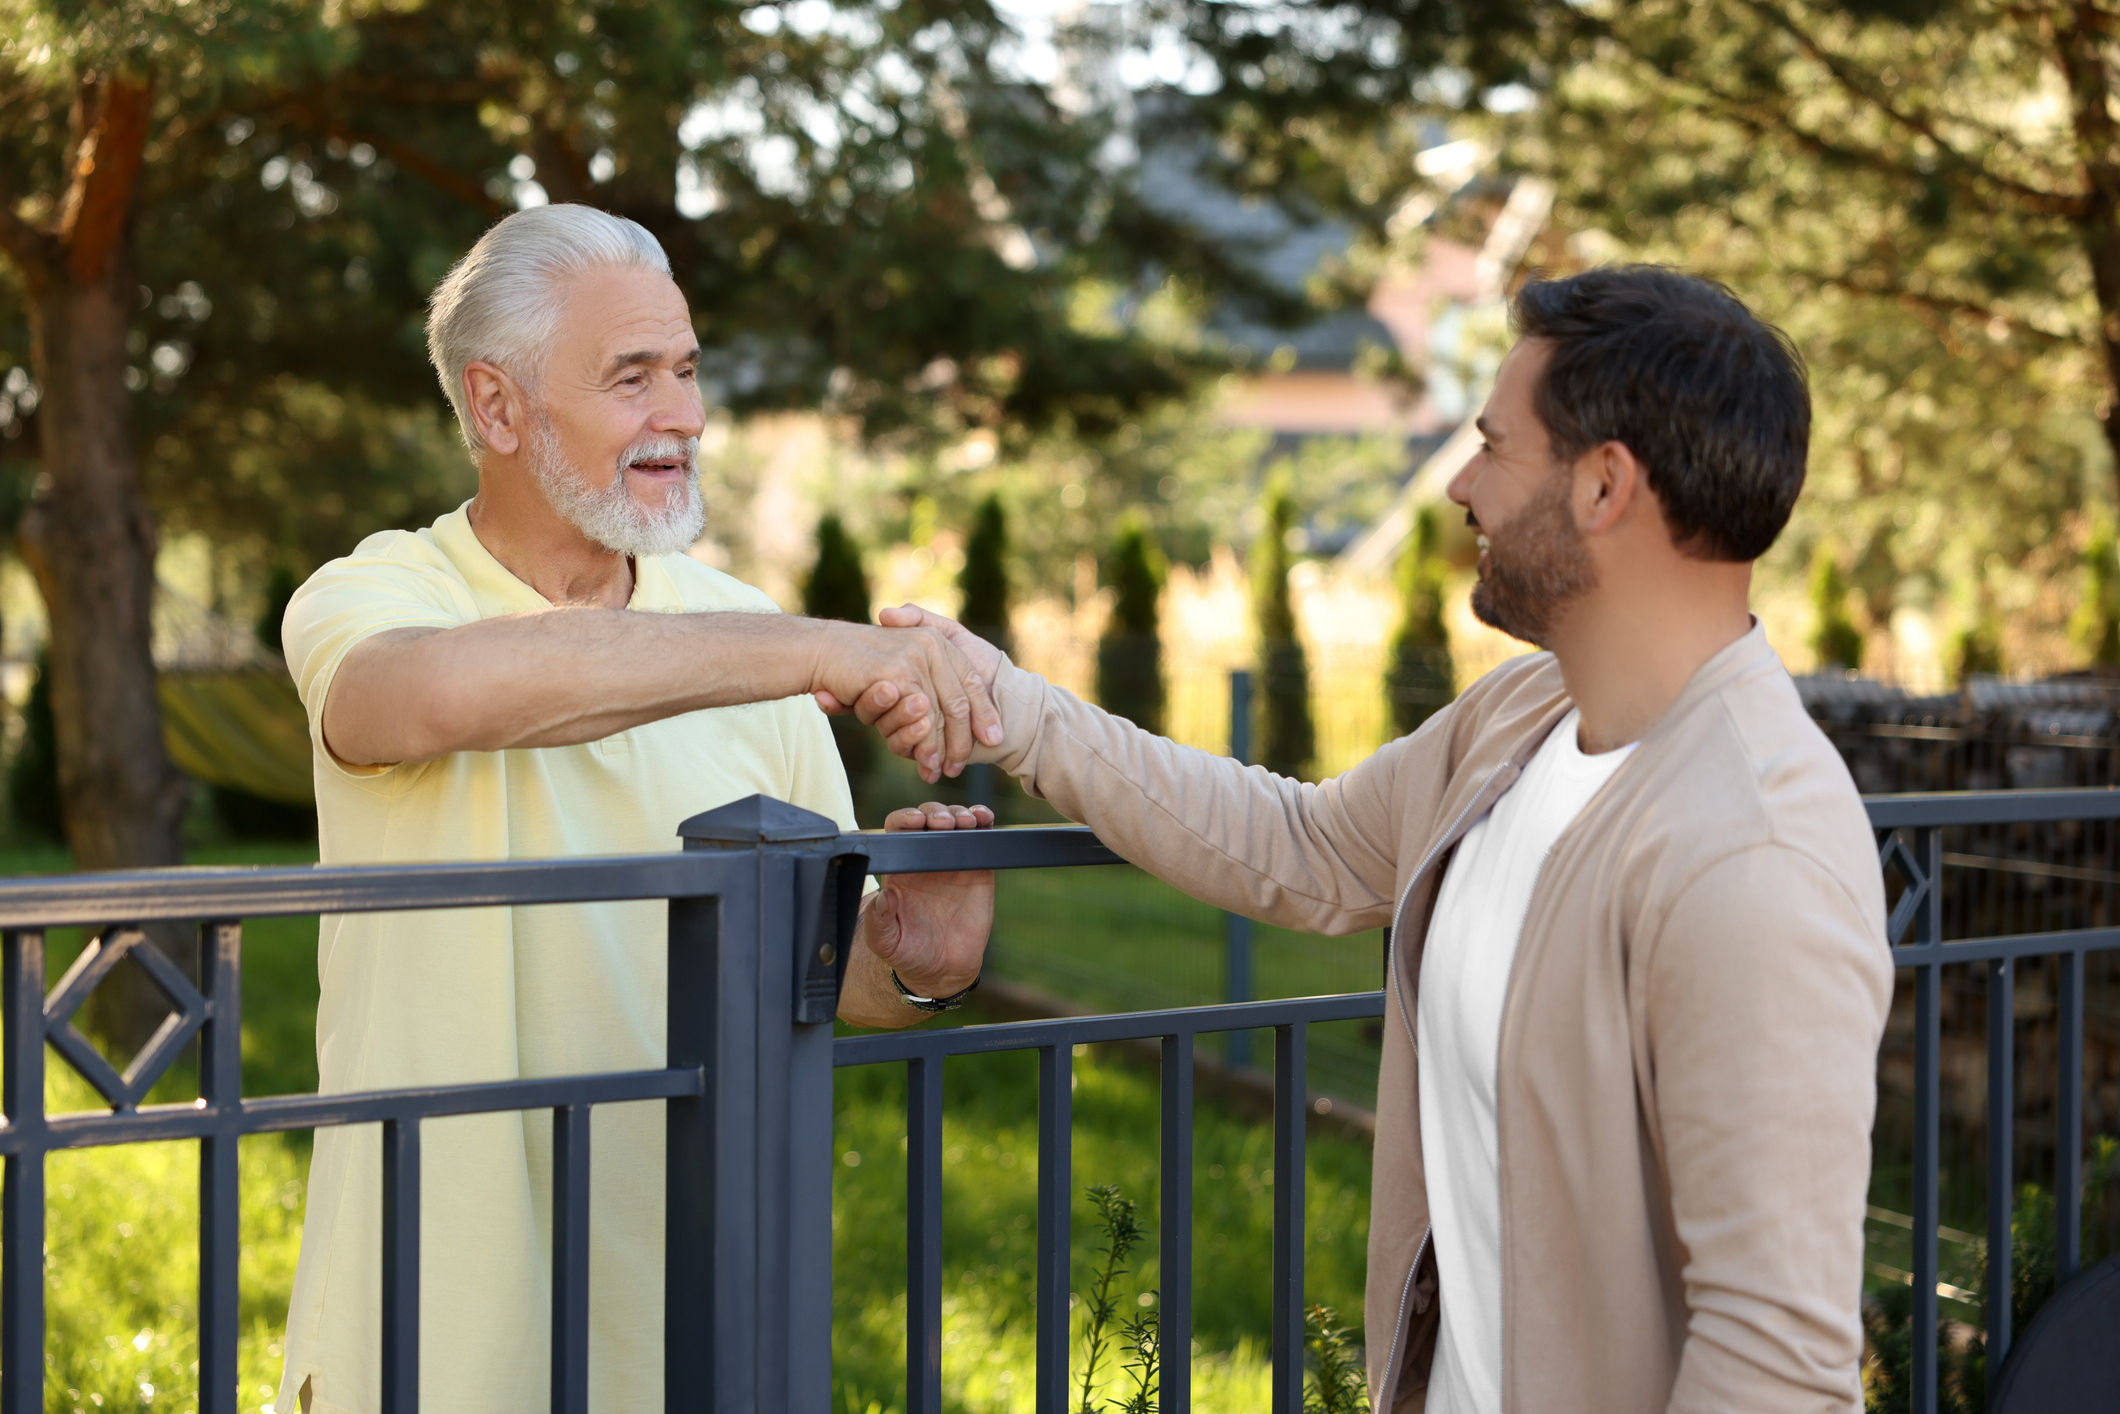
<point x="1710" y="398"/>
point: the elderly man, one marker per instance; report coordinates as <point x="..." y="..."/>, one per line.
<point x="1638" y="970"/>
<point x="543" y="672"/>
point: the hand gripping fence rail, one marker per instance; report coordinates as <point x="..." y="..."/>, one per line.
<point x="761" y="907"/>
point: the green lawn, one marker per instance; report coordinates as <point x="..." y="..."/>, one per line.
<point x="122" y="1265"/>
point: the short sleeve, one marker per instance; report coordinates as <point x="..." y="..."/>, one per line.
<point x="393" y="580"/>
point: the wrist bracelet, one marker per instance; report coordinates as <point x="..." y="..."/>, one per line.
<point x="932" y="1005"/>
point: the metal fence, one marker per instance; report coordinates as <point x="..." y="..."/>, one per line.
<point x="761" y="902"/>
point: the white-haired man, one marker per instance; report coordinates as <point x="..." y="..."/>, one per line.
<point x="543" y="672"/>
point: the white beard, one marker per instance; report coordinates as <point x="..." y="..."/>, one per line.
<point x="612" y="517"/>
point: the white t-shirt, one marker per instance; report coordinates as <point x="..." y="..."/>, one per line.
<point x="1472" y="941"/>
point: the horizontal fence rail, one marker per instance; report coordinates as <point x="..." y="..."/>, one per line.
<point x="761" y="906"/>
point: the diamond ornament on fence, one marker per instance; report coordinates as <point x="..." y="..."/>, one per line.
<point x="1896" y="857"/>
<point x="99" y="958"/>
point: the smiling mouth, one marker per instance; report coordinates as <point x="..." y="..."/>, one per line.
<point x="659" y="466"/>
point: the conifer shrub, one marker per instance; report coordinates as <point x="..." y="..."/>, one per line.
<point x="1286" y="735"/>
<point x="984" y="581"/>
<point x="2095" y="626"/>
<point x="838" y="588"/>
<point x="1835" y="641"/>
<point x="1420" y="680"/>
<point x="1130" y="655"/>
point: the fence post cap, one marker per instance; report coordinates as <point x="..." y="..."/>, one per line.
<point x="757" y="819"/>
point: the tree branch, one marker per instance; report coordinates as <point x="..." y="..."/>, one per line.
<point x="1921" y="124"/>
<point x="112" y="117"/>
<point x="1766" y="119"/>
<point x="411" y="159"/>
<point x="1855" y="284"/>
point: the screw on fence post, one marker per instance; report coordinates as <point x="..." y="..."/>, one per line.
<point x="754" y="983"/>
<point x="1236" y="928"/>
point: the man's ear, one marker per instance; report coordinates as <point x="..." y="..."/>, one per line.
<point x="497" y="405"/>
<point x="1609" y="482"/>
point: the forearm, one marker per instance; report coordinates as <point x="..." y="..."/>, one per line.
<point x="867" y="998"/>
<point x="557" y="678"/>
<point x="1321" y="859"/>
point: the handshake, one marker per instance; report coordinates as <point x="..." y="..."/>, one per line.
<point x="924" y="681"/>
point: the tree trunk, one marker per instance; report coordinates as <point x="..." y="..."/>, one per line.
<point x="90" y="542"/>
<point x="2081" y="47"/>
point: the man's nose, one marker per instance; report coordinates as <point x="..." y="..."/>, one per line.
<point x="679" y="410"/>
<point x="1460" y="488"/>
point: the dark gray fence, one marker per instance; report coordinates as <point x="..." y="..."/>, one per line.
<point x="761" y="904"/>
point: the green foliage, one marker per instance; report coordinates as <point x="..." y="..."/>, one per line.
<point x="838" y="588"/>
<point x="1962" y="1373"/>
<point x="2095" y="627"/>
<point x="1142" y="1335"/>
<point x="1976" y="650"/>
<point x="1337" y="1383"/>
<point x="984" y="582"/>
<point x="1420" y="680"/>
<point x="1880" y="189"/>
<point x="33" y="802"/>
<point x="1835" y="641"/>
<point x="1287" y="737"/>
<point x="1121" y="1227"/>
<point x="1130" y="654"/>
<point x="280" y="586"/>
<point x="1119" y="1223"/>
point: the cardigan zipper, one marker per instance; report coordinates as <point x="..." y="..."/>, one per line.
<point x="1398" y="1329"/>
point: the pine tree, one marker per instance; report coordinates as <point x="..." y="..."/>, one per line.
<point x="838" y="588"/>
<point x="984" y="582"/>
<point x="2095" y="627"/>
<point x="1287" y="738"/>
<point x="1130" y="655"/>
<point x="1420" y="680"/>
<point x="1835" y="641"/>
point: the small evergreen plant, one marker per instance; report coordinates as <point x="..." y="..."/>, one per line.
<point x="1337" y="1383"/>
<point x="1287" y="738"/>
<point x="838" y="588"/>
<point x="1130" y="655"/>
<point x="1121" y="1225"/>
<point x="984" y="581"/>
<point x="1420" y="680"/>
<point x="1835" y="641"/>
<point x="2095" y="626"/>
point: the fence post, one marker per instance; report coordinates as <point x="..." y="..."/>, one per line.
<point x="754" y="982"/>
<point x="1236" y="928"/>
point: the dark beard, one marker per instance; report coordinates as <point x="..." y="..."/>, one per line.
<point x="1535" y="564"/>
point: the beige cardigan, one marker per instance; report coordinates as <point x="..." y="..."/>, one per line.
<point x="1688" y="1046"/>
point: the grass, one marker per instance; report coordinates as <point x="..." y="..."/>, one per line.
<point x="122" y="1226"/>
<point x="990" y="1158"/>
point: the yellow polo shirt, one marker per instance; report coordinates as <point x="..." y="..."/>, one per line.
<point x="445" y="997"/>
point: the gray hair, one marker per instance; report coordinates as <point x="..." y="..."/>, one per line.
<point x="500" y="304"/>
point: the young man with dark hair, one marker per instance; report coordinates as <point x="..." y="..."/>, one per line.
<point x="1638" y="969"/>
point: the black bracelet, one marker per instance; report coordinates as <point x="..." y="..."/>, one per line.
<point x="932" y="1005"/>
